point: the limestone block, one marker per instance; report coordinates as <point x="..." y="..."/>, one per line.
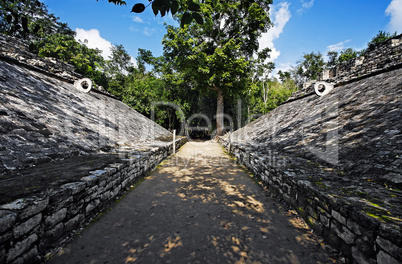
<point x="6" y="236"/>
<point x="92" y="205"/>
<point x="26" y="207"/>
<point x="106" y="195"/>
<point x="3" y="255"/>
<point x="19" y="248"/>
<point x="392" y="232"/>
<point x="75" y="187"/>
<point x="75" y="208"/>
<point x="7" y="219"/>
<point x="51" y="236"/>
<point x="31" y="256"/>
<point x="360" y="258"/>
<point x="27" y="226"/>
<point x="384" y="258"/>
<point x="100" y="174"/>
<point x="344" y="233"/>
<point x="64" y="203"/>
<point x="324" y="220"/>
<point x="341" y="219"/>
<point x="391" y="248"/>
<point x="74" y="223"/>
<point x="55" y="218"/>
<point x="352" y="225"/>
<point x="58" y="195"/>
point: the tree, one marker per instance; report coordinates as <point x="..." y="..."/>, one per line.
<point x="308" y="68"/>
<point x="380" y="37"/>
<point x="216" y="57"/>
<point x="189" y="9"/>
<point x="347" y="54"/>
<point x="86" y="61"/>
<point x="332" y="59"/>
<point x="29" y="19"/>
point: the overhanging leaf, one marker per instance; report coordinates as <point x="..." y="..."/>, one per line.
<point x="186" y="19"/>
<point x="174" y="7"/>
<point x="193" y="6"/>
<point x="198" y="18"/>
<point x="138" y="8"/>
<point x="155" y="8"/>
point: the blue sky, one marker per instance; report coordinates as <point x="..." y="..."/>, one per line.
<point x="300" y="26"/>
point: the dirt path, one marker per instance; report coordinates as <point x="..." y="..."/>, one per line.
<point x="198" y="207"/>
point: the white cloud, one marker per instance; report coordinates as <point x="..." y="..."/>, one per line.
<point x="281" y="67"/>
<point x="94" y="41"/>
<point x="395" y="11"/>
<point x="137" y="19"/>
<point x="305" y="5"/>
<point x="338" y="46"/>
<point x="281" y="16"/>
<point x="149" y="31"/>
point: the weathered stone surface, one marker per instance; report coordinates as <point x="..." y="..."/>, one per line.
<point x="6" y="236"/>
<point x="27" y="226"/>
<point x="361" y="258"/>
<point x="392" y="232"/>
<point x="51" y="237"/>
<point x="55" y="218"/>
<point x="30" y="257"/>
<point x="338" y="217"/>
<point x="384" y="258"/>
<point x="392" y="249"/>
<point x="59" y="121"/>
<point x="19" y="248"/>
<point x="342" y="148"/>
<point x="27" y="206"/>
<point x="75" y="187"/>
<point x="74" y="223"/>
<point x="90" y="180"/>
<point x="92" y="205"/>
<point x="7" y="219"/>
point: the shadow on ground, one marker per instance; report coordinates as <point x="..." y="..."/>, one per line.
<point x="198" y="207"/>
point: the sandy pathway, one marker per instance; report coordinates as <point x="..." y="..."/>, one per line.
<point x="197" y="207"/>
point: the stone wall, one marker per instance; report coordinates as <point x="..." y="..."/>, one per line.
<point x="17" y="50"/>
<point x="43" y="119"/>
<point x="360" y="235"/>
<point x="383" y="57"/>
<point x="337" y="159"/>
<point x="30" y="227"/>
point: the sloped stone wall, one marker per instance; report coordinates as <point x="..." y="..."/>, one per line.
<point x="44" y="119"/>
<point x="345" y="222"/>
<point x="337" y="159"/>
<point x="12" y="48"/>
<point x="383" y="57"/>
<point x="30" y="227"/>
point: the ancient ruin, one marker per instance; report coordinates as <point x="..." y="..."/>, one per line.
<point x="337" y="157"/>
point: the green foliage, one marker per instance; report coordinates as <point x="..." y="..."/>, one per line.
<point x="347" y="54"/>
<point x="29" y="19"/>
<point x="188" y="9"/>
<point x="379" y="38"/>
<point x="217" y="56"/>
<point x="265" y="96"/>
<point x="332" y="59"/>
<point x="86" y="61"/>
<point x="308" y="68"/>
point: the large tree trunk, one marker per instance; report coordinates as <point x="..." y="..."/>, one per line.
<point x="219" y="113"/>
